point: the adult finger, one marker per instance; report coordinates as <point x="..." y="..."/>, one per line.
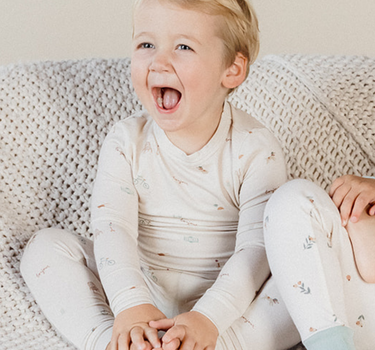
<point x="339" y="195"/>
<point x="360" y="205"/>
<point x="346" y="207"/>
<point x="335" y="185"/>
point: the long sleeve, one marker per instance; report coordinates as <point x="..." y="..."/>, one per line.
<point x="247" y="269"/>
<point x="114" y="210"/>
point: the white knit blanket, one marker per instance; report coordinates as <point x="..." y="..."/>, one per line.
<point x="54" y="116"/>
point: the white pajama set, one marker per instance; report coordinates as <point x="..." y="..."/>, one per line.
<point x="185" y="232"/>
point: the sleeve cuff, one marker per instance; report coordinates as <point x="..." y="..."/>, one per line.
<point x="221" y="312"/>
<point x="130" y="298"/>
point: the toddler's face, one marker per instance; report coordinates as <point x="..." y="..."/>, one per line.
<point x="178" y="66"/>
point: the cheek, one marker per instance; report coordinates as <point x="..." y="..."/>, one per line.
<point x="192" y="77"/>
<point x="206" y="73"/>
<point x="201" y="80"/>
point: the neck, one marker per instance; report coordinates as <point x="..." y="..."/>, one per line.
<point x="194" y="138"/>
<point x="193" y="141"/>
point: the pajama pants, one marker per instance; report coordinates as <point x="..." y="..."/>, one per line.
<point x="310" y="257"/>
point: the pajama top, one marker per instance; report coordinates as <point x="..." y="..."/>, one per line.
<point x="162" y="217"/>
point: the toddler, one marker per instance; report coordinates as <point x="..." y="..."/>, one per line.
<point x="178" y="201"/>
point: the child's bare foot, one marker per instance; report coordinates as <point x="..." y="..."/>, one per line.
<point x="362" y="236"/>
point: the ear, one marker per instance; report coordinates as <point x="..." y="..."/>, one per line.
<point x="235" y="74"/>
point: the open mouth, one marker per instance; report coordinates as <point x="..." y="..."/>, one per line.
<point x="167" y="98"/>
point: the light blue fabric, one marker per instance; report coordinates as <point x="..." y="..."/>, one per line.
<point x="336" y="338"/>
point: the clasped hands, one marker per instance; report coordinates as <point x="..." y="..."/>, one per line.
<point x="137" y="329"/>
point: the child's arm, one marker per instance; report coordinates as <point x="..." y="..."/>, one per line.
<point x="114" y="210"/>
<point x="352" y="195"/>
<point x="355" y="198"/>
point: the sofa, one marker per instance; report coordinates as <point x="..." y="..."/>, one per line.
<point x="55" y="115"/>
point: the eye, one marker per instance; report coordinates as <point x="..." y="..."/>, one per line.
<point x="146" y="46"/>
<point x="184" y="47"/>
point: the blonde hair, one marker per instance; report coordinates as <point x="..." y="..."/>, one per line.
<point x="240" y="30"/>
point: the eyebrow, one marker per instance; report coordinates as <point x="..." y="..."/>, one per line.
<point x="141" y="34"/>
<point x="189" y="38"/>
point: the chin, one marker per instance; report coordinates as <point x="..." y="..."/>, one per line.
<point x="168" y="126"/>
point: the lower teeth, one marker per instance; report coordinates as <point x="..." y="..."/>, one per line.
<point x="160" y="102"/>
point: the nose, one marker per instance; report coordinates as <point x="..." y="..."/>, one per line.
<point x="160" y="62"/>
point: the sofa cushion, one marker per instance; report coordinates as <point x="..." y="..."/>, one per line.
<point x="55" y="115"/>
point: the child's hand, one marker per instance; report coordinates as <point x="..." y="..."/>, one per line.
<point x="188" y="331"/>
<point x="132" y="332"/>
<point x="352" y="195"/>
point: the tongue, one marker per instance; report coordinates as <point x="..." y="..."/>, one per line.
<point x="170" y="98"/>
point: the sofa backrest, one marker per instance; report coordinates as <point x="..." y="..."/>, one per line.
<point x="55" y="115"/>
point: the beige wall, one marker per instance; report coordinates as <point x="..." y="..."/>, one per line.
<point x="71" y="29"/>
<point x="317" y="26"/>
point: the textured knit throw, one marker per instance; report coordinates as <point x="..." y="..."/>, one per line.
<point x="55" y="115"/>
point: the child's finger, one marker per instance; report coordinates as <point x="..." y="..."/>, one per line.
<point x="372" y="210"/>
<point x="137" y="338"/>
<point x="172" y="345"/>
<point x="163" y="324"/>
<point x="122" y="343"/>
<point x="176" y="332"/>
<point x="152" y="336"/>
<point x="111" y="346"/>
<point x="135" y="347"/>
<point x="189" y="344"/>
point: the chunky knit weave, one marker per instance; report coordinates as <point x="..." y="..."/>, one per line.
<point x="55" y="115"/>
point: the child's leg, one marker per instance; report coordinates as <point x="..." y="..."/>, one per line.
<point x="265" y="325"/>
<point x="60" y="270"/>
<point x="312" y="262"/>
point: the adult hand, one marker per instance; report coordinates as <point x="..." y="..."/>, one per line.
<point x="131" y="330"/>
<point x="352" y="195"/>
<point x="188" y="331"/>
